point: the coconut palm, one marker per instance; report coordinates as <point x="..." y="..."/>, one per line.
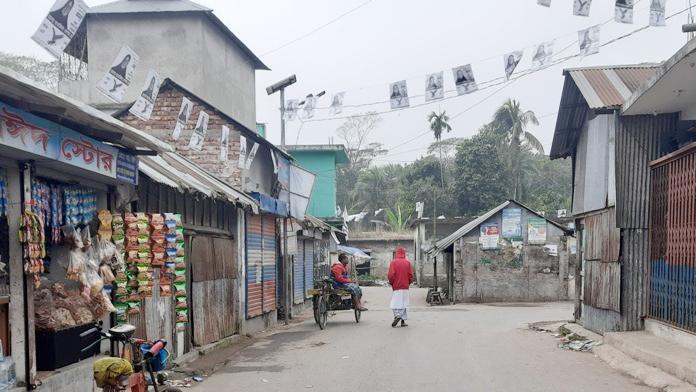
<point x="511" y="122"/>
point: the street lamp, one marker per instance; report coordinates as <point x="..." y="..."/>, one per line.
<point x="280" y="86"/>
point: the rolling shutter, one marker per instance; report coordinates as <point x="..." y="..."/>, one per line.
<point x="269" y="263"/>
<point x="309" y="265"/>
<point x="254" y="266"/>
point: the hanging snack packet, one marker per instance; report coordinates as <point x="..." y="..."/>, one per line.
<point x="165" y="290"/>
<point x="181" y="303"/>
<point x="182" y="316"/>
<point x="180" y="289"/>
<point x="105" y="225"/>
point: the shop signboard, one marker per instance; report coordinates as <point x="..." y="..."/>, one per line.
<point x="490" y="235"/>
<point x="35" y="135"/>
<point x="512" y="223"/>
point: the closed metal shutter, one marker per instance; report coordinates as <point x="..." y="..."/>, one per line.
<point x="269" y="263"/>
<point x="298" y="273"/>
<point x="309" y="265"/>
<point x="254" y="266"/>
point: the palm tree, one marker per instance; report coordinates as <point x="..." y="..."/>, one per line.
<point x="511" y="122"/>
<point x="439" y="123"/>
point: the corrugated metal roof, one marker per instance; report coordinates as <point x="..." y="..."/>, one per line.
<point x="176" y="171"/>
<point x="610" y="87"/>
<point x="37" y="99"/>
<point x="464" y="230"/>
<point x="155" y="6"/>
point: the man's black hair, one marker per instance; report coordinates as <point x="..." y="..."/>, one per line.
<point x="342" y="257"/>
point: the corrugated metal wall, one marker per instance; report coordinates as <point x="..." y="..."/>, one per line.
<point x="254" y="266"/>
<point x="602" y="285"/>
<point x="672" y="292"/>
<point x="310" y="256"/>
<point x="602" y="237"/>
<point x="298" y="276"/>
<point x="637" y="143"/>
<point x="270" y="263"/>
<point x="634" y="258"/>
<point x="592" y="170"/>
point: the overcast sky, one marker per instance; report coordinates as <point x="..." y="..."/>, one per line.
<point x="389" y="40"/>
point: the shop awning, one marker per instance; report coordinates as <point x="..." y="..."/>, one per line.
<point x="30" y="96"/>
<point x="355" y="252"/>
<point x="178" y="172"/>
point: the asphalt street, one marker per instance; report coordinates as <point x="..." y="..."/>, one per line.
<point x="450" y="348"/>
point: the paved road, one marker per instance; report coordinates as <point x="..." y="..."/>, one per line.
<point x="453" y="348"/>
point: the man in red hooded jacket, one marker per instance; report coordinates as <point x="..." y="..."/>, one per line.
<point x="400" y="278"/>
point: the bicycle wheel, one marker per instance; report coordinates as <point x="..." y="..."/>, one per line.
<point x="323" y="311"/>
<point x="315" y="308"/>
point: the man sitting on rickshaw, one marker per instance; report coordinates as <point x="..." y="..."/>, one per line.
<point x="341" y="280"/>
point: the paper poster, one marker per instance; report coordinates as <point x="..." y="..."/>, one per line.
<point x="623" y="12"/>
<point x="116" y="81"/>
<point x="337" y="103"/>
<point x="544" y="3"/>
<point x="464" y="79"/>
<point x="198" y="135"/>
<point x="490" y="235"/>
<point x="291" y="109"/>
<point x="511" y="60"/>
<point x="536" y="230"/>
<point x="572" y="245"/>
<point x="581" y="7"/>
<point x="657" y="12"/>
<point x="542" y="54"/>
<point x="252" y="155"/>
<point x="512" y="223"/>
<point x="398" y="95"/>
<point x="224" y="143"/>
<point x="183" y="117"/>
<point x="551" y="250"/>
<point x="309" y="106"/>
<point x="59" y="26"/>
<point x="242" y="152"/>
<point x="143" y="106"/>
<point x="434" y="88"/>
<point x="589" y="41"/>
<point x="275" y="163"/>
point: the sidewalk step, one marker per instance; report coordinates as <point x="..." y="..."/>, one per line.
<point x="648" y="375"/>
<point x="662" y="354"/>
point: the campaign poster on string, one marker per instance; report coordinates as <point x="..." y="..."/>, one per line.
<point x="589" y="41"/>
<point x="309" y="106"/>
<point x="434" y="86"/>
<point x="464" y="79"/>
<point x="543" y="53"/>
<point x="242" y="152"/>
<point x="657" y="13"/>
<point x="536" y="230"/>
<point x="116" y="81"/>
<point x="489" y="236"/>
<point x="252" y="155"/>
<point x="224" y="143"/>
<point x="511" y="61"/>
<point x="512" y="223"/>
<point x="183" y="117"/>
<point x="399" y="95"/>
<point x="199" y="132"/>
<point x="623" y="12"/>
<point x="337" y="103"/>
<point x="544" y="3"/>
<point x="60" y="25"/>
<point x="290" y="110"/>
<point x="581" y="7"/>
<point x="145" y="104"/>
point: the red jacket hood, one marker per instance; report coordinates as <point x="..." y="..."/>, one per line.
<point x="400" y="253"/>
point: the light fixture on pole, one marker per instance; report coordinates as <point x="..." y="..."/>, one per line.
<point x="280" y="86"/>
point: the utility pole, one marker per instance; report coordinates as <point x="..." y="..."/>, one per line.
<point x="280" y="86"/>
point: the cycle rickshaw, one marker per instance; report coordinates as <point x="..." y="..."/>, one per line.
<point x="327" y="299"/>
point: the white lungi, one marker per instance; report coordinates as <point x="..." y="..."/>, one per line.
<point x="400" y="301"/>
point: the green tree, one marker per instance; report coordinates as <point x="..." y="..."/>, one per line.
<point x="44" y="72"/>
<point x="398" y="219"/>
<point x="510" y="122"/>
<point x="439" y="123"/>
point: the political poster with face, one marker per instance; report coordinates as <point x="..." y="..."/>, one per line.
<point x="398" y="96"/>
<point x="434" y="87"/>
<point x="511" y="61"/>
<point x="242" y="152"/>
<point x="291" y="109"/>
<point x="581" y="7"/>
<point x="542" y="54"/>
<point x="464" y="79"/>
<point x="337" y="103"/>
<point x="657" y="12"/>
<point x="623" y="12"/>
<point x="183" y="117"/>
<point x="309" y="106"/>
<point x="252" y="155"/>
<point x="59" y="26"/>
<point x="224" y="143"/>
<point x="544" y="3"/>
<point x="116" y="81"/>
<point x="143" y="106"/>
<point x="198" y="135"/>
<point x="589" y="40"/>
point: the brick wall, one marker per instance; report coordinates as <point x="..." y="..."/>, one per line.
<point x="163" y="121"/>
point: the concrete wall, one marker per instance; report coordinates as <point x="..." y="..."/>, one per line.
<point x="322" y="163"/>
<point x="508" y="274"/>
<point x="381" y="251"/>
<point x="184" y="47"/>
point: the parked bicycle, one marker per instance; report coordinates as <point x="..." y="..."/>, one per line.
<point x="130" y="360"/>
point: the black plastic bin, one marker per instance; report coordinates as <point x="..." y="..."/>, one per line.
<point x="56" y="349"/>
